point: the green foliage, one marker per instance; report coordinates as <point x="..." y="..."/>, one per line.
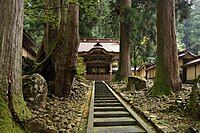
<point x="99" y="19"/>
<point x="108" y="20"/>
<point x="80" y="66"/>
<point x="189" y="29"/>
<point x="34" y="19"/>
<point x="140" y="25"/>
<point x="183" y="9"/>
<point x="89" y="16"/>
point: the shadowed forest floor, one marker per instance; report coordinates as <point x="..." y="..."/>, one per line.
<point x="66" y="114"/>
<point x="167" y="112"/>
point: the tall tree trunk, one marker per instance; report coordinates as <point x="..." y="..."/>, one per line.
<point x="59" y="50"/>
<point x="167" y="75"/>
<point x="124" y="57"/>
<point x="12" y="105"/>
<point x="65" y="55"/>
<point x="44" y="55"/>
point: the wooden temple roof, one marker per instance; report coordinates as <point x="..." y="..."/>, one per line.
<point x="108" y="44"/>
<point x="28" y="43"/>
<point x="193" y="62"/>
<point x="186" y="54"/>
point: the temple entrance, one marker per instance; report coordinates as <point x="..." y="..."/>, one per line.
<point x="98" y="72"/>
<point x="98" y="69"/>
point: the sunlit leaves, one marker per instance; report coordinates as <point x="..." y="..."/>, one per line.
<point x="34" y="19"/>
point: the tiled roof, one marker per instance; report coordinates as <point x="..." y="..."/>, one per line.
<point x="183" y="54"/>
<point x="192" y="62"/>
<point x="100" y="40"/>
<point x="28" y="43"/>
<point x="108" y="44"/>
<point x="151" y="67"/>
<point x="29" y="40"/>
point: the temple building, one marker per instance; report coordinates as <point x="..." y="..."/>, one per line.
<point x="100" y="56"/>
<point x="191" y="69"/>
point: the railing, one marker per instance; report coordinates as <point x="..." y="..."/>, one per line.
<point x="105" y="77"/>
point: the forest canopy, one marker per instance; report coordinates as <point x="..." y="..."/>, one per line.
<point x="100" y="19"/>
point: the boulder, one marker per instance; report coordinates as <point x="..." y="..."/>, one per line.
<point x="35" y="91"/>
<point x="136" y="83"/>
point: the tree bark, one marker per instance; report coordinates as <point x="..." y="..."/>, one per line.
<point x="12" y="105"/>
<point x="59" y="50"/>
<point x="43" y="60"/>
<point x="167" y="74"/>
<point x="66" y="53"/>
<point x="124" y="69"/>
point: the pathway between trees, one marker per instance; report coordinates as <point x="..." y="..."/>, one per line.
<point x="109" y="113"/>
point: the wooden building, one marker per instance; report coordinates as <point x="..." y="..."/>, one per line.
<point x="183" y="58"/>
<point x="27" y="46"/>
<point x="141" y="72"/>
<point x="191" y="69"/>
<point x="100" y="57"/>
<point x="151" y="71"/>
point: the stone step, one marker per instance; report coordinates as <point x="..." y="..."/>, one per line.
<point x="119" y="129"/>
<point x="109" y="109"/>
<point x="107" y="104"/>
<point x="106" y="101"/>
<point x="107" y="94"/>
<point x="105" y="98"/>
<point x="114" y="121"/>
<point x="103" y="92"/>
<point x="111" y="114"/>
<point x="103" y="95"/>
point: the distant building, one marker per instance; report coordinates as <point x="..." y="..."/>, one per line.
<point x="101" y="57"/>
<point x="184" y="57"/>
<point x="151" y="71"/>
<point x="27" y="46"/>
<point x="191" y="69"/>
<point x="141" y="72"/>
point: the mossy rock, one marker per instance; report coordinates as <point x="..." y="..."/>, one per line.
<point x="35" y="91"/>
<point x="136" y="83"/>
